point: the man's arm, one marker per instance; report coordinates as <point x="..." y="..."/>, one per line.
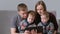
<point x="13" y="25"/>
<point x="13" y="30"/>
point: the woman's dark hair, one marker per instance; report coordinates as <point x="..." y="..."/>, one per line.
<point x="40" y="3"/>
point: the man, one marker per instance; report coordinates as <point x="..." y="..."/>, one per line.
<point x="22" y="14"/>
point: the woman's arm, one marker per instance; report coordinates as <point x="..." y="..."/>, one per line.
<point x="54" y="21"/>
<point x="13" y="27"/>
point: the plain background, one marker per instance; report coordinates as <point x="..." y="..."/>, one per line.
<point x="12" y="5"/>
<point x="8" y="9"/>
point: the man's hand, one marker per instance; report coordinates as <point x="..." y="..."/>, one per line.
<point x="13" y="31"/>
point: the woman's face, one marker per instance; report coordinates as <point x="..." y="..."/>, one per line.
<point x="40" y="9"/>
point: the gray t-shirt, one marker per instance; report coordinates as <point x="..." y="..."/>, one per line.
<point x="15" y="23"/>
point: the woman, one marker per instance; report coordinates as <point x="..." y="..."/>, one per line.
<point x="40" y="9"/>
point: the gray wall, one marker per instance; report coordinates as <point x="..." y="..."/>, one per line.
<point x="12" y="4"/>
<point x="7" y="5"/>
<point x="5" y="21"/>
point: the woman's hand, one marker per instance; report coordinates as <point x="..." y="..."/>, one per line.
<point x="55" y="32"/>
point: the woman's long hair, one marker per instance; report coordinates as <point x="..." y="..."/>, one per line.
<point x="40" y="3"/>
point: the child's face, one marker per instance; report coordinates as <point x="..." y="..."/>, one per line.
<point x="23" y="14"/>
<point x="30" y="18"/>
<point x="44" y="19"/>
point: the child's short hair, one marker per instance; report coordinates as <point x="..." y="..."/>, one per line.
<point x="22" y="6"/>
<point x="46" y="15"/>
<point x="31" y="12"/>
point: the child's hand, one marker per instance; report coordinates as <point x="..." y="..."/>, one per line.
<point x="27" y="32"/>
<point x="33" y="31"/>
<point x="22" y="27"/>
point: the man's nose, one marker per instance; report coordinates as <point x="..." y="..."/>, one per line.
<point x="25" y="14"/>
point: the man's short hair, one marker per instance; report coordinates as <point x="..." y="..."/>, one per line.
<point x="22" y="7"/>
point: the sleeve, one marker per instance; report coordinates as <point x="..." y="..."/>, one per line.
<point x="54" y="21"/>
<point x="13" y="22"/>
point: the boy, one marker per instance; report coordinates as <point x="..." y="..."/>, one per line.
<point x="28" y="24"/>
<point x="22" y="14"/>
<point x="48" y="27"/>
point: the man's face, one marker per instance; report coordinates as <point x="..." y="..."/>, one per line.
<point x="44" y="19"/>
<point x="40" y="9"/>
<point x="23" y="14"/>
<point x="30" y="18"/>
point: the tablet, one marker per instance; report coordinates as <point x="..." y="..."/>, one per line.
<point x="39" y="29"/>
